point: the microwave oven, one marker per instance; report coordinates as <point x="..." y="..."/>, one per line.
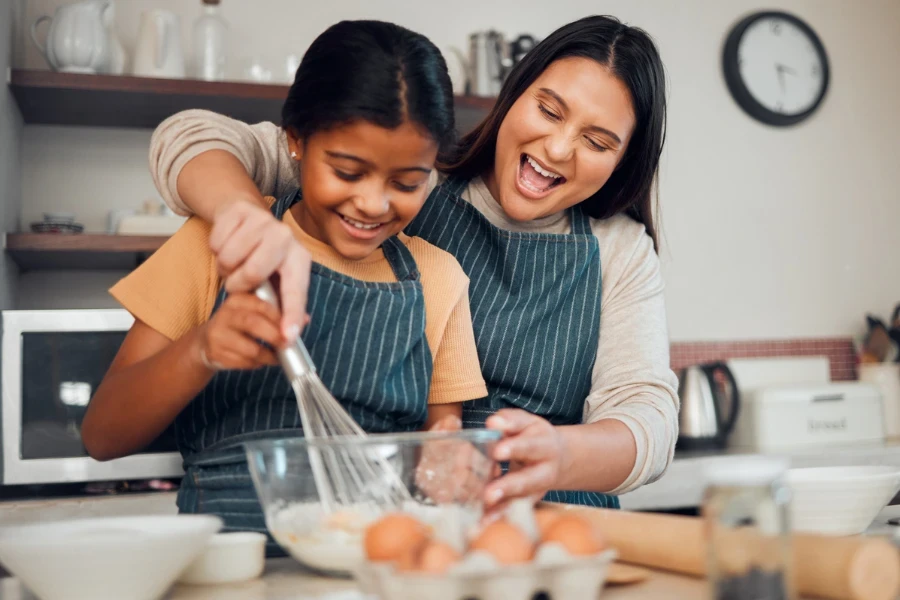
<point x="52" y="361"/>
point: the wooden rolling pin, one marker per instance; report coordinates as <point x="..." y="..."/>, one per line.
<point x="837" y="568"/>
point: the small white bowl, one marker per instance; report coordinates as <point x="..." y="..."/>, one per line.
<point x="126" y="558"/>
<point x="228" y="558"/>
<point x="839" y="500"/>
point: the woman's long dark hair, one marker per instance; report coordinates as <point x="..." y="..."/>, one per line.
<point x="631" y="55"/>
<point x="373" y="71"/>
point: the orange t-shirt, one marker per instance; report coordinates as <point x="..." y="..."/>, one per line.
<point x="176" y="288"/>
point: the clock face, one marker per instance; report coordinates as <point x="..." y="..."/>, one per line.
<point x="776" y="68"/>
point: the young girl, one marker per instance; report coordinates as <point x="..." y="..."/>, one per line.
<point x="390" y="328"/>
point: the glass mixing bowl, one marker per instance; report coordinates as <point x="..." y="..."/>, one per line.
<point x="441" y="477"/>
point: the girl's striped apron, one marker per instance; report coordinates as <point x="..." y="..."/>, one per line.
<point x="368" y="343"/>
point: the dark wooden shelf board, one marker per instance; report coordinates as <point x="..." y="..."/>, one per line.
<point x="51" y="98"/>
<point x="39" y="251"/>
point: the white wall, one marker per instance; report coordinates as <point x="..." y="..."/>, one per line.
<point x="768" y="233"/>
<point x="10" y="156"/>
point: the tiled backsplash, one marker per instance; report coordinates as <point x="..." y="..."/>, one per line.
<point x="840" y="352"/>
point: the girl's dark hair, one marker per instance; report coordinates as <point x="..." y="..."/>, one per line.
<point x="631" y="55"/>
<point x="372" y="71"/>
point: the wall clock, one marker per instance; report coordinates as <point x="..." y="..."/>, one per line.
<point x="776" y="68"/>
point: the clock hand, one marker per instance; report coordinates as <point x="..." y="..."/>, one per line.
<point x="779" y="69"/>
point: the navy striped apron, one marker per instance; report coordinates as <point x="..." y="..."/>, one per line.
<point x="535" y="309"/>
<point x="368" y="343"/>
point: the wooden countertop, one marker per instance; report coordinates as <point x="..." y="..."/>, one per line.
<point x="284" y="579"/>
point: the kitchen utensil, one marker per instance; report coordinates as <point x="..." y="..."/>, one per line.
<point x="54" y="227"/>
<point x="521" y="46"/>
<point x="115" y="216"/>
<point x="126" y="558"/>
<point x="158" y="51"/>
<point x="487" y="51"/>
<point x="840" y="500"/>
<point x="210" y="36"/>
<point x="835" y="568"/>
<point x="622" y="574"/>
<point x="117" y="55"/>
<point x="228" y="558"/>
<point x="745" y="509"/>
<point x="428" y="464"/>
<point x="885" y="377"/>
<point x="346" y="475"/>
<point x="59" y="217"/>
<point x="710" y="404"/>
<point x="77" y="41"/>
<point x="256" y="69"/>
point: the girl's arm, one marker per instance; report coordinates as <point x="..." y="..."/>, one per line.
<point x="148" y="384"/>
<point x="153" y="379"/>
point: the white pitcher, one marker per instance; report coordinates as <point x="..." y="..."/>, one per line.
<point x="158" y="51"/>
<point x="77" y="41"/>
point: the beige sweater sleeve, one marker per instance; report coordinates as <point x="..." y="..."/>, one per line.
<point x="632" y="381"/>
<point x="262" y="148"/>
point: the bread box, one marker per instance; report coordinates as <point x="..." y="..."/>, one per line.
<point x="792" y="415"/>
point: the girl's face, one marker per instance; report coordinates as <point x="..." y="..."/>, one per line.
<point x="561" y="140"/>
<point x="362" y="183"/>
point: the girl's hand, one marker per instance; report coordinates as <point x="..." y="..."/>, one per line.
<point x="229" y="339"/>
<point x="251" y="245"/>
<point x="535" y="451"/>
<point x="452" y="470"/>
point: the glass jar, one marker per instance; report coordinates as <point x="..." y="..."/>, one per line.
<point x="748" y="536"/>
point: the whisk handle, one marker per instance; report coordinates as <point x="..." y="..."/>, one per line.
<point x="295" y="359"/>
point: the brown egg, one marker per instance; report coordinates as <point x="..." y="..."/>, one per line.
<point x="393" y="537"/>
<point x="545" y="518"/>
<point x="437" y="557"/>
<point x="505" y="542"/>
<point x="576" y="534"/>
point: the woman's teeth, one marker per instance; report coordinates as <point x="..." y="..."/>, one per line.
<point x="360" y="224"/>
<point x="541" y="170"/>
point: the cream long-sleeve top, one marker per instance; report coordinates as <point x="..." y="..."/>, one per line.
<point x="631" y="379"/>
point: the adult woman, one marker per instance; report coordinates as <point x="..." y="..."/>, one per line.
<point x="558" y="176"/>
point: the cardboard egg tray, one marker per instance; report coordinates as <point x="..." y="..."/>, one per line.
<point x="479" y="577"/>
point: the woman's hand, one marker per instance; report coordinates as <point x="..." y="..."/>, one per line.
<point x="230" y="340"/>
<point x="251" y="245"/>
<point x="535" y="451"/>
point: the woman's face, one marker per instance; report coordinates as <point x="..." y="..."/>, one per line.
<point x="362" y="183"/>
<point x="561" y="140"/>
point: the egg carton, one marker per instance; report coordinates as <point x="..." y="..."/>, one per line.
<point x="479" y="576"/>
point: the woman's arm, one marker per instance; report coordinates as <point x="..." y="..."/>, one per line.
<point x="631" y="413"/>
<point x="220" y="169"/>
<point x="243" y="162"/>
<point x="632" y="382"/>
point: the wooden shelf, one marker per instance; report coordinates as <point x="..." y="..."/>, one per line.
<point x="32" y="251"/>
<point x="51" y="98"/>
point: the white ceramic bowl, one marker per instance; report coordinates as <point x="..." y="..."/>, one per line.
<point x="126" y="558"/>
<point x="228" y="558"/>
<point x="839" y="500"/>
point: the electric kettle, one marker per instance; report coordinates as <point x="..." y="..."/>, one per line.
<point x="710" y="402"/>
